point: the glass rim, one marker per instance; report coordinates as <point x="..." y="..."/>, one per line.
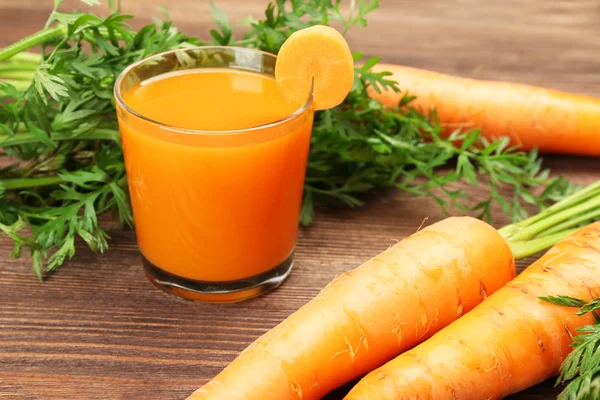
<point x="121" y="102"/>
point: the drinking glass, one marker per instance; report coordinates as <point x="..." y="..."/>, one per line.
<point x="216" y="212"/>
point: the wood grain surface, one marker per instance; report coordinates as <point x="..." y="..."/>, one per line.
<point x="97" y="329"/>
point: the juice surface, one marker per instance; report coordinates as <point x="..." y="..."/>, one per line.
<point x="222" y="206"/>
<point x="210" y="99"/>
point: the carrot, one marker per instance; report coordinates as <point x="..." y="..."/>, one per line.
<point x="394" y="302"/>
<point x="510" y="342"/>
<point x="369" y="315"/>
<point x="316" y="54"/>
<point x="532" y="117"/>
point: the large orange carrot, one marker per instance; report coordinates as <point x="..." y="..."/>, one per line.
<point x="369" y="315"/>
<point x="509" y="342"/>
<point x="532" y="117"/>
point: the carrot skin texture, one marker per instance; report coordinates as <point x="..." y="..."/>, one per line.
<point x="532" y="117"/>
<point x="510" y="342"/>
<point x="369" y="315"/>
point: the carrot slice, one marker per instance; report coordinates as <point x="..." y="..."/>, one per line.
<point x="317" y="54"/>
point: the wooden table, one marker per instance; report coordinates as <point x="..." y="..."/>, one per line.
<point x="97" y="329"/>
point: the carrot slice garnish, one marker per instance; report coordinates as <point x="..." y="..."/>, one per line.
<point x="319" y="58"/>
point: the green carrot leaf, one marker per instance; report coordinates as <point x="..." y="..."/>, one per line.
<point x="565" y="301"/>
<point x="46" y="83"/>
<point x="220" y="19"/>
<point x="581" y="369"/>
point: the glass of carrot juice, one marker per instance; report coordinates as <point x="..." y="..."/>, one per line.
<point x="215" y="161"/>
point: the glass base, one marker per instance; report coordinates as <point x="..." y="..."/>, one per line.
<point x="219" y="292"/>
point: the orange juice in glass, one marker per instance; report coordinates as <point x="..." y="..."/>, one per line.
<point x="215" y="162"/>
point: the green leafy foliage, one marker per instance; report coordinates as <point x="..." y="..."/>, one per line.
<point x="58" y="120"/>
<point x="581" y="368"/>
<point x="65" y="133"/>
<point x="221" y="20"/>
<point x="363" y="145"/>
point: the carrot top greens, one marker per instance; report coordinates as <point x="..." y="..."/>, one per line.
<point x="58" y="127"/>
<point x="581" y="368"/>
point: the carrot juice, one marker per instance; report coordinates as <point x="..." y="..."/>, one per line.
<point x="215" y="162"/>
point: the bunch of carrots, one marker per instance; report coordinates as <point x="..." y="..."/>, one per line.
<point x="441" y="315"/>
<point x="450" y="290"/>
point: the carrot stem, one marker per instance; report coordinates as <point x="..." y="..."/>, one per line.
<point x="25" y="183"/>
<point x="20" y="85"/>
<point x="37" y="38"/>
<point x="543" y="230"/>
<point x="524" y="249"/>
<point x="589" y="216"/>
<point x="29" y="138"/>
<point x="17" y="75"/>
<point x="549" y="222"/>
<point x="26" y="57"/>
<point x="582" y="195"/>
<point x="12" y="67"/>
